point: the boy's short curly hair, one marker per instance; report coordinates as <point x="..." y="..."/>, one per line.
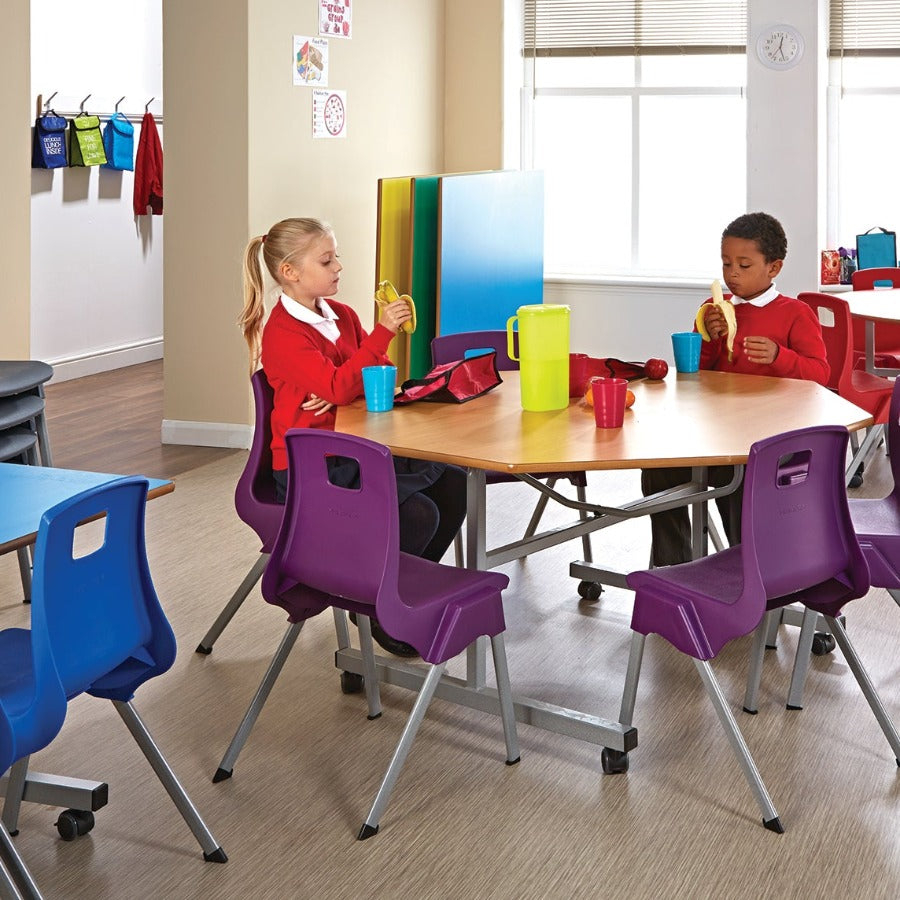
<point x="766" y="230"/>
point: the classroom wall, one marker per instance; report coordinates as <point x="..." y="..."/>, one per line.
<point x="96" y="270"/>
<point x="15" y="161"/>
<point x="267" y="166"/>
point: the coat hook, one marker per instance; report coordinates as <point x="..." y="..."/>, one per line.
<point x="147" y="105"/>
<point x="84" y="101"/>
<point x="119" y="101"/>
<point x="47" y="101"/>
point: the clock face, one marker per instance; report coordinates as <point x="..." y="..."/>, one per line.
<point x="779" y="47"/>
<point x="334" y="114"/>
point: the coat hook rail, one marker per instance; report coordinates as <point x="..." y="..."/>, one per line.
<point x="119" y="101"/>
<point x="81" y="107"/>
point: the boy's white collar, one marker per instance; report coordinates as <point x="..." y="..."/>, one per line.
<point x="762" y="300"/>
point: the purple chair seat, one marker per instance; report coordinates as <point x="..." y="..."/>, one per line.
<point x="798" y="545"/>
<point x="339" y="547"/>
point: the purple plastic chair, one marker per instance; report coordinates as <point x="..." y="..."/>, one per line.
<point x="449" y="347"/>
<point x="877" y="526"/>
<point x="254" y="500"/>
<point x="797" y="545"/>
<point x="438" y="609"/>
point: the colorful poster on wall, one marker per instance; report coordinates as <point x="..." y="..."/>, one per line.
<point x="310" y="62"/>
<point x="334" y="19"/>
<point x="329" y="114"/>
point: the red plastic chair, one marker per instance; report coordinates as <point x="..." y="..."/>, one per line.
<point x="449" y="347"/>
<point x="440" y="610"/>
<point x="887" y="334"/>
<point x="797" y="545"/>
<point x="254" y="500"/>
<point x="870" y="392"/>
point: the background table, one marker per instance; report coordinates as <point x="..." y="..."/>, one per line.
<point x="874" y="306"/>
<point x="699" y="420"/>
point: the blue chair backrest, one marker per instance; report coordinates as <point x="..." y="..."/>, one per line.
<point x="796" y="526"/>
<point x="334" y="540"/>
<point x="97" y="616"/>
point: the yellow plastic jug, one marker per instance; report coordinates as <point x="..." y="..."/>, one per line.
<point x="543" y="355"/>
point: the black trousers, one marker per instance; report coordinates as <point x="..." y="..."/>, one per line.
<point x="671" y="530"/>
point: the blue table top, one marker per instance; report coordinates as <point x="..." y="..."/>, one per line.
<point x="26" y="492"/>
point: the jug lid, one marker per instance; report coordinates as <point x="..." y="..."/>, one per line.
<point x="542" y="308"/>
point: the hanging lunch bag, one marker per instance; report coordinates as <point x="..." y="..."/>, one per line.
<point x="86" y="141"/>
<point x="48" y="146"/>
<point x="118" y="142"/>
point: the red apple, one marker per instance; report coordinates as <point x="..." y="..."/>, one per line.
<point x="656" y="368"/>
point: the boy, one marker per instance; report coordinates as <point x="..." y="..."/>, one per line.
<point x="776" y="335"/>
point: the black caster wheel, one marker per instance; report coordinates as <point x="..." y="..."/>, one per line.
<point x="590" y="590"/>
<point x="822" y="643"/>
<point x="351" y="683"/>
<point x="73" y="823"/>
<point x="613" y="762"/>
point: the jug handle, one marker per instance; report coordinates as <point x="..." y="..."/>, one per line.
<point x="510" y="340"/>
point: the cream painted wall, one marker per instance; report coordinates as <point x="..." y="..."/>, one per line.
<point x="240" y="156"/>
<point x="15" y="180"/>
<point x="473" y="114"/>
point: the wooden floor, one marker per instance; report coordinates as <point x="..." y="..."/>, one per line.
<point x="680" y="824"/>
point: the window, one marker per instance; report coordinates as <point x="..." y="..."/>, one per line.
<point x="864" y="121"/>
<point x="634" y="110"/>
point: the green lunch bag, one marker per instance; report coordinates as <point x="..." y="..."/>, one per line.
<point x="86" y="142"/>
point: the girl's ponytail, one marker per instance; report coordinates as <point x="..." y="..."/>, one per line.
<point x="251" y="319"/>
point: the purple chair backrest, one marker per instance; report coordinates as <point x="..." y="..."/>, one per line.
<point x="254" y="495"/>
<point x="893" y="436"/>
<point x="796" y="527"/>
<point x="335" y="540"/>
<point x="449" y="347"/>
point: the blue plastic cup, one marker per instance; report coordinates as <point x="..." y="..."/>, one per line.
<point x="378" y="384"/>
<point x="686" y="347"/>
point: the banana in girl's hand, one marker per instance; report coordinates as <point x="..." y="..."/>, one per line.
<point x="387" y="293"/>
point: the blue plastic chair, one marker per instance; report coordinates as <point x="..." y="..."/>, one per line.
<point x="97" y="628"/>
<point x="439" y="609"/>
<point x="798" y="545"/>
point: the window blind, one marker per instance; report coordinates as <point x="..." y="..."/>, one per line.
<point x="865" y="28"/>
<point x="626" y="27"/>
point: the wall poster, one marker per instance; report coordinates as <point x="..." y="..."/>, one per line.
<point x="310" y="63"/>
<point x="334" y="19"/>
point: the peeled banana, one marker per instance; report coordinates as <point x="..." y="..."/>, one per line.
<point x="727" y="308"/>
<point x="387" y="293"/>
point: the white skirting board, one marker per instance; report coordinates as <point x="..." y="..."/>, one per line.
<point x="67" y="368"/>
<point x="207" y="434"/>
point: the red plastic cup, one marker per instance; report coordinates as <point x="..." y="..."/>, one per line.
<point x="578" y="373"/>
<point x="609" y="401"/>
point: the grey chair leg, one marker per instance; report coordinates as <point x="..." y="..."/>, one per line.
<point x="226" y="766"/>
<point x="370" y="826"/>
<point x="632" y="677"/>
<point x="770" y="815"/>
<point x="15" y="792"/>
<point x="757" y="652"/>
<point x="212" y="851"/>
<point x="233" y="605"/>
<point x="865" y="684"/>
<point x="801" y="660"/>
<point x="895" y="595"/>
<point x="8" y="887"/>
<point x="370" y="674"/>
<point x="458" y="549"/>
<point x="504" y="692"/>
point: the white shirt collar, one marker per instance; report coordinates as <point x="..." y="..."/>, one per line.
<point x="324" y="321"/>
<point x="762" y="300"/>
<point x="304" y="314"/>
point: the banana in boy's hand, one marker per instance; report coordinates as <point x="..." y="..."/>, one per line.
<point x="727" y="309"/>
<point x="387" y="293"/>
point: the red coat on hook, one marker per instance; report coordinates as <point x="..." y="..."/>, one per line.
<point x="148" y="170"/>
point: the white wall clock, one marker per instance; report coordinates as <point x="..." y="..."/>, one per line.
<point x="779" y="46"/>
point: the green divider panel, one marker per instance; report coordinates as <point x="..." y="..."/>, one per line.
<point x="423" y="279"/>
